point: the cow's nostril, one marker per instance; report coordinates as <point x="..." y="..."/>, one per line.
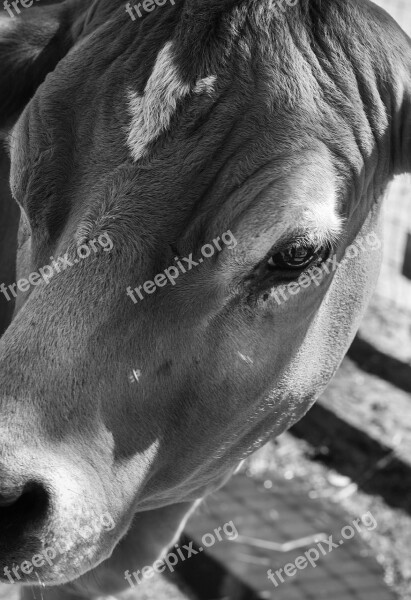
<point x="23" y="511"/>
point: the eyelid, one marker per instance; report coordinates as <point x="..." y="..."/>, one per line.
<point x="307" y="238"/>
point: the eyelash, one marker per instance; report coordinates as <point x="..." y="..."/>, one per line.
<point x="267" y="276"/>
<point x="278" y="262"/>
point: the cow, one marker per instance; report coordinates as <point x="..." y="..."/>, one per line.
<point x="277" y="125"/>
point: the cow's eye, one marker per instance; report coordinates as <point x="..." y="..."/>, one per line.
<point x="295" y="258"/>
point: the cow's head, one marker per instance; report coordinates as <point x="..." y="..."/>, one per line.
<point x="268" y="136"/>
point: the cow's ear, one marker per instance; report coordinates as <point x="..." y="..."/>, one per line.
<point x="31" y="45"/>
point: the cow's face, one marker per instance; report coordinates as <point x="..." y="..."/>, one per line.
<point x="150" y="145"/>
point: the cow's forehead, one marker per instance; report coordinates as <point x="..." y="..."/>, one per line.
<point x="267" y="199"/>
<point x="167" y="133"/>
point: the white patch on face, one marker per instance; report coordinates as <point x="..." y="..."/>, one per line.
<point x="206" y="85"/>
<point x="152" y="113"/>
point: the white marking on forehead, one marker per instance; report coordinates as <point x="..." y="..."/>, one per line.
<point x="205" y="86"/>
<point x="152" y="112"/>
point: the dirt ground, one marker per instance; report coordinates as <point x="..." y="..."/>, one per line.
<point x="390" y="541"/>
